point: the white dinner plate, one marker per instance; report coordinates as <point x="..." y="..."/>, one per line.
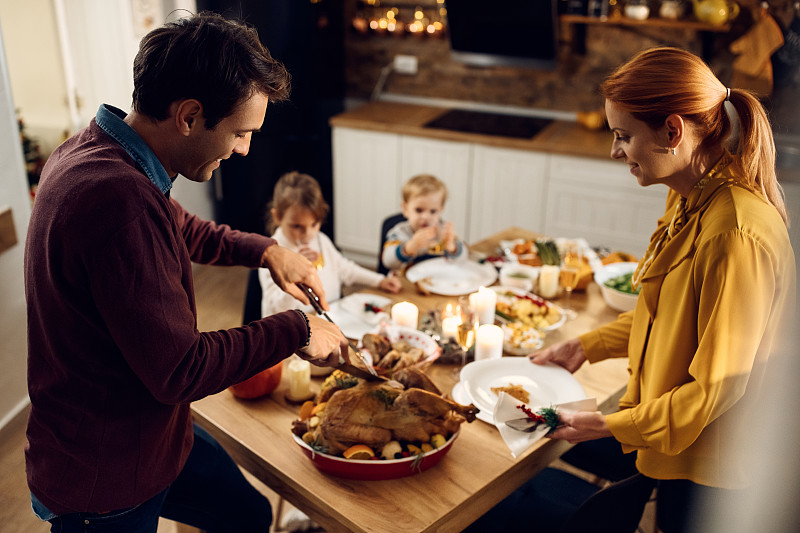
<point x="546" y="384"/>
<point x="353" y="319"/>
<point x="460" y="395"/>
<point x="449" y="277"/>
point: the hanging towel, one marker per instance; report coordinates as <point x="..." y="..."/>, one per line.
<point x="752" y="69"/>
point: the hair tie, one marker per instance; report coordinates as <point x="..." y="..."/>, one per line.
<point x="728" y="96"/>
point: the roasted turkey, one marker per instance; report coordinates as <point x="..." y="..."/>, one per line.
<point x="374" y="413"/>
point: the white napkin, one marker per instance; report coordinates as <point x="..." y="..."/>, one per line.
<point x="356" y="307"/>
<point x="518" y="441"/>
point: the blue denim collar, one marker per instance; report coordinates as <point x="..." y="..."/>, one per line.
<point x="111" y="120"/>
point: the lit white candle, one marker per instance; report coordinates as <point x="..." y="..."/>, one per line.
<point x="488" y="342"/>
<point x="299" y="379"/>
<point x="483" y="303"/>
<point x="450" y="322"/>
<point x="450" y="327"/>
<point x="548" y="281"/>
<point x="405" y="314"/>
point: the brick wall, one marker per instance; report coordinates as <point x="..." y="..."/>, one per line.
<point x="572" y="87"/>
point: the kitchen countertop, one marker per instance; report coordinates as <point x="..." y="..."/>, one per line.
<point x="559" y="137"/>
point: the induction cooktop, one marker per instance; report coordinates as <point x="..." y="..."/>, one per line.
<point x="489" y="123"/>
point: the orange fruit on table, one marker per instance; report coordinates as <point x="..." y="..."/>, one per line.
<point x="359" y="451"/>
<point x="259" y="385"/>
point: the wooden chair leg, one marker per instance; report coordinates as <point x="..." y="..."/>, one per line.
<point x="278" y="515"/>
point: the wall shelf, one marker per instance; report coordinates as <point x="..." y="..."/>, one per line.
<point x="655" y="22"/>
<point x="705" y="30"/>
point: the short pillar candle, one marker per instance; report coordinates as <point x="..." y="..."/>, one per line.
<point x="488" y="342"/>
<point x="405" y="314"/>
<point x="299" y="379"/>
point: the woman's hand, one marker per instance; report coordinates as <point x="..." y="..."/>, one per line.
<point x="580" y="426"/>
<point x="288" y="268"/>
<point x="326" y="345"/>
<point x="391" y="283"/>
<point x="568" y="354"/>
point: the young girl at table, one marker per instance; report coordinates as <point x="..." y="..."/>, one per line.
<point x="423" y="234"/>
<point x="297" y="211"/>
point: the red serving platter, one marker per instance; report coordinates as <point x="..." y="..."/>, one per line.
<point x="375" y="469"/>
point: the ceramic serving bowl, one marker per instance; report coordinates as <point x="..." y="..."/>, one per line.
<point x="519" y="276"/>
<point x="616" y="299"/>
<point x="375" y="469"/>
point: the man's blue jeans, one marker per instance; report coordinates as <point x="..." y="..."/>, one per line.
<point x="210" y="493"/>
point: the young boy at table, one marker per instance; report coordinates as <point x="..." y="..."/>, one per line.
<point x="297" y="211"/>
<point x="423" y="234"/>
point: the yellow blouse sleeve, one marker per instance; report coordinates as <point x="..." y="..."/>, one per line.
<point x="608" y="341"/>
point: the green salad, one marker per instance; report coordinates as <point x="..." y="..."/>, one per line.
<point x="622" y="283"/>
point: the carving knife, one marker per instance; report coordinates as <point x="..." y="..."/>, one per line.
<point x="358" y="372"/>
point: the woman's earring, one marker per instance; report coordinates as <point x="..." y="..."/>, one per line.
<point x="672" y="150"/>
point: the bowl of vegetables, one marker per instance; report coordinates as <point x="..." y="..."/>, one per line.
<point x="614" y="280"/>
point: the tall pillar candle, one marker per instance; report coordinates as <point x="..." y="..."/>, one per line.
<point x="405" y="314"/>
<point x="299" y="379"/>
<point x="488" y="342"/>
<point x="548" y="281"/>
<point x="483" y="303"/>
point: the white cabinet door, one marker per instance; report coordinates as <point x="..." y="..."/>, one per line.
<point x="508" y="189"/>
<point x="366" y="189"/>
<point x="450" y="162"/>
<point x="602" y="202"/>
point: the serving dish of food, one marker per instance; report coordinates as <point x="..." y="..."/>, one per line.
<point x="614" y="280"/>
<point x="521" y="339"/>
<point x="390" y="348"/>
<point x="373" y="430"/>
<point x="535" y="253"/>
<point x="516" y="305"/>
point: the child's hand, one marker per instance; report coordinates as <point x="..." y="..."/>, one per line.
<point x="449" y="238"/>
<point x="308" y="253"/>
<point x="391" y="283"/>
<point x="421" y="240"/>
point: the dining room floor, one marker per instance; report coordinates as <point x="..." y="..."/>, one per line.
<point x="220" y="295"/>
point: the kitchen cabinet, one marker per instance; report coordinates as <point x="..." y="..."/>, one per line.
<point x="450" y="162"/>
<point x="490" y="188"/>
<point x="366" y="189"/>
<point x="601" y="202"/>
<point x="508" y="189"/>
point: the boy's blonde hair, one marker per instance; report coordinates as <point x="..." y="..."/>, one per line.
<point x="423" y="184"/>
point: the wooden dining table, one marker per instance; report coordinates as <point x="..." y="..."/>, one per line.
<point x="477" y="473"/>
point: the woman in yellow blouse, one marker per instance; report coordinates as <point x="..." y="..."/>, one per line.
<point x="717" y="281"/>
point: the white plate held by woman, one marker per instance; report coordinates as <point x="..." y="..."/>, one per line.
<point x="545" y="384"/>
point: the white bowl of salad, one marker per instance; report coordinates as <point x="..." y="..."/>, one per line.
<point x="614" y="280"/>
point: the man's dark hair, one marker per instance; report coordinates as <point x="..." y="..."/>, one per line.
<point x="219" y="62"/>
